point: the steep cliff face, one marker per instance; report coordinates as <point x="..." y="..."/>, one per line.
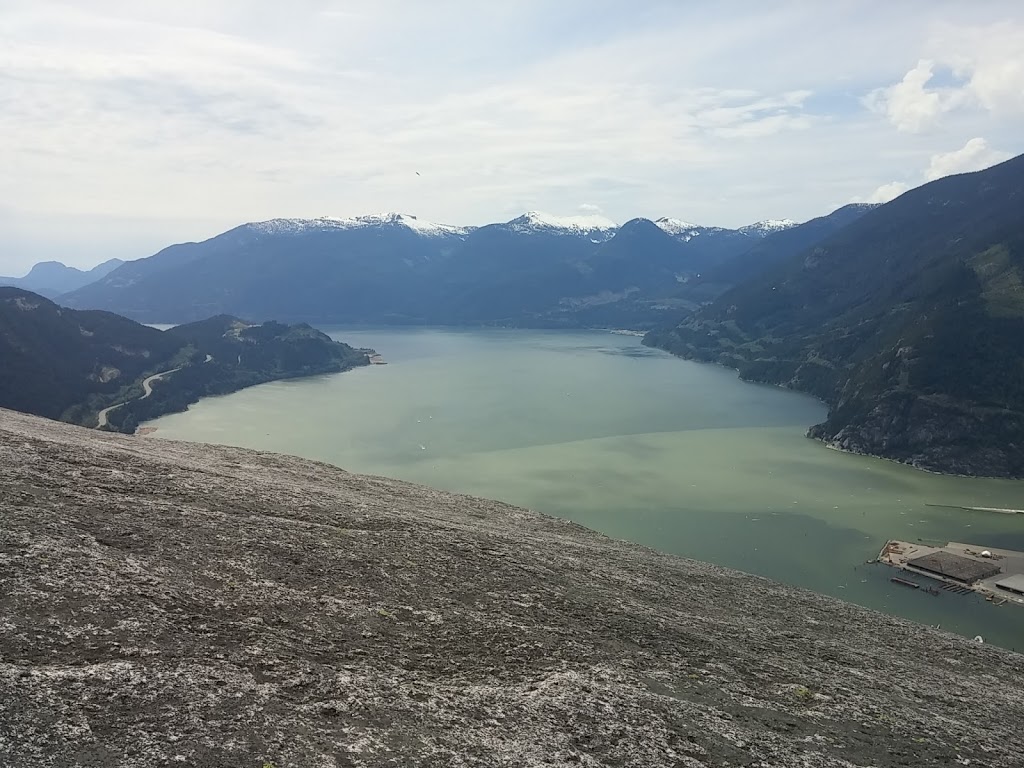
<point x="934" y="433"/>
<point x="166" y="603"/>
<point x="908" y="321"/>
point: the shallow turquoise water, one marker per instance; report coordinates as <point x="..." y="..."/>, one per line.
<point x="630" y="441"/>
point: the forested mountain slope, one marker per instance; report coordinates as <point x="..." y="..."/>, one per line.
<point x="71" y="364"/>
<point x="909" y="322"/>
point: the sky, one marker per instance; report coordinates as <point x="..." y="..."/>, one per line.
<point x="128" y="126"/>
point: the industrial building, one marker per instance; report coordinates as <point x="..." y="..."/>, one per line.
<point x="1013" y="583"/>
<point x="963" y="569"/>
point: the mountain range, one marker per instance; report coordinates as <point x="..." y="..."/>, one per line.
<point x="908" y="321"/>
<point x="52" y="278"/>
<point x="533" y="270"/>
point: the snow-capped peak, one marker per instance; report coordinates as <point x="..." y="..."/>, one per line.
<point x="677" y="226"/>
<point x="767" y="227"/>
<point x="296" y="226"/>
<point x="684" y="231"/>
<point x="535" y="221"/>
<point x="413" y="223"/>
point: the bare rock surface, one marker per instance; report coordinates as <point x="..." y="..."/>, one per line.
<point x="169" y="604"/>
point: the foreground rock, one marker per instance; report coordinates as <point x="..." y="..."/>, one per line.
<point x="174" y="604"/>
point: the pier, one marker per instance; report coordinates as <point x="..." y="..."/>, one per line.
<point x="997" y="574"/>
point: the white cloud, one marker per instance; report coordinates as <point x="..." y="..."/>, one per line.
<point x="984" y="65"/>
<point x="990" y="60"/>
<point x="909" y="105"/>
<point x="161" y="122"/>
<point x="743" y="115"/>
<point x="972" y="156"/>
<point x="975" y="155"/>
<point x="886" y="192"/>
<point x="767" y="126"/>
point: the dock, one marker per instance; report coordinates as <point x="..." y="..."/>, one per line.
<point x="996" y="574"/>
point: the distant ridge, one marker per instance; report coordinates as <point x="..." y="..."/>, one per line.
<point x="297" y="226"/>
<point x="534" y="221"/>
<point x="768" y="226"/>
<point x="52" y="278"/>
<point x="536" y="269"/>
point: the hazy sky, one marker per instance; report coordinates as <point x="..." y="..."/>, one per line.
<point x="126" y="126"/>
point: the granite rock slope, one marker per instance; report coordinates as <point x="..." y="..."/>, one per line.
<point x="167" y="603"/>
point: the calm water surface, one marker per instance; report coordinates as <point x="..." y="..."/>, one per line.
<point x="635" y="443"/>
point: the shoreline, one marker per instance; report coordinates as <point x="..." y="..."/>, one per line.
<point x="916" y="467"/>
<point x="828" y="444"/>
<point x="145" y="428"/>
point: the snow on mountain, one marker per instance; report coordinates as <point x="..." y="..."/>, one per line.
<point x="598" y="228"/>
<point x="535" y="221"/>
<point x="677" y="227"/>
<point x="324" y="223"/>
<point x="684" y="231"/>
<point x="767" y="227"/>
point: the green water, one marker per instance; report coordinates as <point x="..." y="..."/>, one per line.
<point x="637" y="444"/>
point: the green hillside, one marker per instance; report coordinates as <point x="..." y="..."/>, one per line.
<point x="71" y="364"/>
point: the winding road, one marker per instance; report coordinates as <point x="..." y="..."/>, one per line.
<point x="147" y="388"/>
